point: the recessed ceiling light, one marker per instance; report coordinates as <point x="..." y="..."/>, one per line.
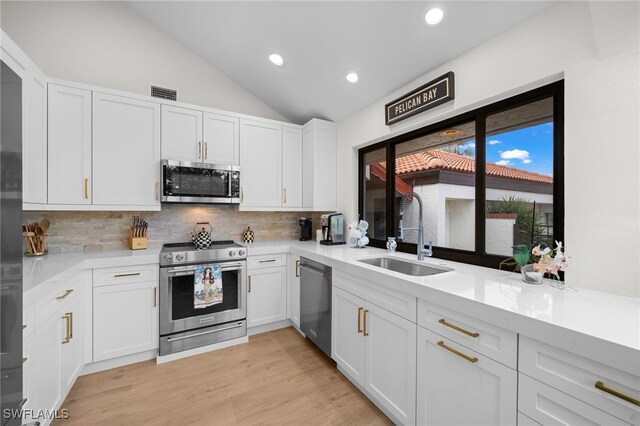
<point x="276" y="59"/>
<point x="352" y="77"/>
<point x="452" y="132"/>
<point x="433" y="16"/>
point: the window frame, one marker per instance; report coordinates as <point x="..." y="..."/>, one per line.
<point x="478" y="256"/>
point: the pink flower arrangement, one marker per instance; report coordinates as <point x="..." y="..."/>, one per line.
<point x="550" y="261"/>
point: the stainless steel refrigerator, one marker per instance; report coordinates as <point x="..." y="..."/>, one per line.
<point x="10" y="247"/>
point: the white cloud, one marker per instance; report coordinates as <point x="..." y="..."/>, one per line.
<point x="503" y="162"/>
<point x="494" y="142"/>
<point x="515" y="154"/>
<point x="526" y="161"/>
<point x="471" y="145"/>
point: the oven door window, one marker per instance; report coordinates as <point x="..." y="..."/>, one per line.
<point x="182" y="296"/>
<point x="195" y="182"/>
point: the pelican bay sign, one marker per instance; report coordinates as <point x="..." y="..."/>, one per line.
<point x="432" y="94"/>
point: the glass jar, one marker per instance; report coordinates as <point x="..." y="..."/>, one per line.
<point x="391" y="244"/>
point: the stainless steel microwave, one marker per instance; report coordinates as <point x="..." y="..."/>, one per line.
<point x="185" y="182"/>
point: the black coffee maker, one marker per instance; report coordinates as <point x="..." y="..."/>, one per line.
<point x="305" y="229"/>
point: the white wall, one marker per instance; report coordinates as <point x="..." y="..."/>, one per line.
<point x="595" y="47"/>
<point x="110" y="45"/>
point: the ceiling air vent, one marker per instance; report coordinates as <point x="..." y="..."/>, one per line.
<point x="164" y="93"/>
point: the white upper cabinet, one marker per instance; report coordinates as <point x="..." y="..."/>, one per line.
<point x="221" y="139"/>
<point x="199" y="137"/>
<point x="69" y="150"/>
<point x="291" y="166"/>
<point x="320" y="165"/>
<point x="34" y="145"/>
<point x="126" y="151"/>
<point x="261" y="162"/>
<point x="182" y="134"/>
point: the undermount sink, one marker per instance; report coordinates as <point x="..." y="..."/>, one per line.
<point x="404" y="267"/>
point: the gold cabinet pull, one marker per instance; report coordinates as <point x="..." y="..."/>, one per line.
<point x="297" y="268"/>
<point x="285" y="195"/>
<point x="199" y="150"/>
<point x="241" y="194"/>
<point x="460" y="354"/>
<point x="364" y="320"/>
<point x="266" y="261"/>
<point x="455" y="327"/>
<point x="67" y="317"/>
<point x="359" y="314"/>
<point x="132" y="274"/>
<point x="86" y="188"/>
<point x="604" y="388"/>
<point x="155" y="297"/>
<point x="206" y="150"/>
<point x="25" y="359"/>
<point x="249" y="283"/>
<point x="66" y="293"/>
<point x="71" y="326"/>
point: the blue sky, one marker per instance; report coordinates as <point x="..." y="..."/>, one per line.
<point x="530" y="148"/>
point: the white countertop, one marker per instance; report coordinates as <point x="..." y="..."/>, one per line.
<point x="484" y="293"/>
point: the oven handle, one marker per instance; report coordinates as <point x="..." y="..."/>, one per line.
<point x="172" y="339"/>
<point x="188" y="270"/>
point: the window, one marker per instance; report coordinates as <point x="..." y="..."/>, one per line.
<point x="488" y="179"/>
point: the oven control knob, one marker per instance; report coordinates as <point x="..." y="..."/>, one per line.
<point x="232" y="253"/>
<point x="241" y="252"/>
<point x="168" y="258"/>
<point x="179" y="257"/>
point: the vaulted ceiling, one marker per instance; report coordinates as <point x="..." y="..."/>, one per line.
<point x="387" y="43"/>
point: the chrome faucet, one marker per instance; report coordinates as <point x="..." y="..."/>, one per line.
<point x="421" y="251"/>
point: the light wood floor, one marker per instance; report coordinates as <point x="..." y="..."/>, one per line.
<point x="276" y="378"/>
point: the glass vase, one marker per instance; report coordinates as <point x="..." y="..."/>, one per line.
<point x="530" y="276"/>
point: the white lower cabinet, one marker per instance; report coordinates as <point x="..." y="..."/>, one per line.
<point x="266" y="296"/>
<point x="377" y="350"/>
<point x="125" y="319"/>
<point x="71" y="361"/>
<point x="293" y="290"/>
<point x="458" y="386"/>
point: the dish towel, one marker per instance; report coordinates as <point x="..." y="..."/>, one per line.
<point x="207" y="286"/>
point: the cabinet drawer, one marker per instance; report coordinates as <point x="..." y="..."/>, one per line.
<point x="266" y="261"/>
<point x="392" y="300"/>
<point x="577" y="376"/>
<point x="494" y="342"/>
<point x="125" y="274"/>
<point x="28" y="320"/>
<point x="548" y="406"/>
<point x="56" y="296"/>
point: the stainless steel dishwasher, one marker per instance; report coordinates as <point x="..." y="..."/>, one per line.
<point x="315" y="303"/>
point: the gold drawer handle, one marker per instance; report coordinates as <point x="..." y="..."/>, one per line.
<point x="86" y="188"/>
<point x="455" y="327"/>
<point x="249" y="283"/>
<point x="602" y="387"/>
<point x="460" y="354"/>
<point x="359" y="325"/>
<point x="66" y="293"/>
<point x="266" y="261"/>
<point x="68" y="317"/>
<point x="25" y="359"/>
<point x="133" y="274"/>
<point x="364" y="317"/>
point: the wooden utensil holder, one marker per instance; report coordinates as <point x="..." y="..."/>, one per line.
<point x="137" y="243"/>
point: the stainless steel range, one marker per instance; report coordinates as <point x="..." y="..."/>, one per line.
<point x="182" y="326"/>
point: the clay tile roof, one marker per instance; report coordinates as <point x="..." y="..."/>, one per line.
<point x="437" y="159"/>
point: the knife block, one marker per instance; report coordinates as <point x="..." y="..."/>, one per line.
<point x="137" y="243"/>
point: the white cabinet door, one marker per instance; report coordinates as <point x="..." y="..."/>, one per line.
<point x="292" y="166"/>
<point x="267" y="295"/>
<point x="125" y="319"/>
<point x="221" y="139"/>
<point x="293" y="290"/>
<point x="182" y="134"/>
<point x="261" y="160"/>
<point x="34" y="145"/>
<point x="71" y="321"/>
<point x="484" y="390"/>
<point x="347" y="344"/>
<point x="325" y="172"/>
<point x="390" y="362"/>
<point x="45" y="390"/>
<point x="307" y="167"/>
<point x="126" y="151"/>
<point x="69" y="149"/>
